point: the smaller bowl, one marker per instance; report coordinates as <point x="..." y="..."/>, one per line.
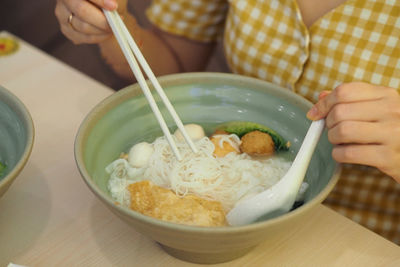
<point x="16" y="137"/>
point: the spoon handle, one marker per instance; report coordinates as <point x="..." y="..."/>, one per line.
<point x="304" y="155"/>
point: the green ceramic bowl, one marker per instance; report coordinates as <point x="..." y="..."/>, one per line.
<point x="16" y="137"/>
<point x="208" y="99"/>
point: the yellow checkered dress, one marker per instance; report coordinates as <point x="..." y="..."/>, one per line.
<point x="357" y="41"/>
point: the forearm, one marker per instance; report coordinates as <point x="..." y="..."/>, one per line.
<point x="165" y="53"/>
<point x="156" y="53"/>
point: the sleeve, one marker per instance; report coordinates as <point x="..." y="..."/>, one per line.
<point x="200" y="20"/>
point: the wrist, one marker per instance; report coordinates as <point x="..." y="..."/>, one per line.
<point x="112" y="54"/>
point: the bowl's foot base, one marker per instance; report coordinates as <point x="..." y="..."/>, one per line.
<point x="207" y="257"/>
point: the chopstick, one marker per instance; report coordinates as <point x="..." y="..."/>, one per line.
<point x="131" y="50"/>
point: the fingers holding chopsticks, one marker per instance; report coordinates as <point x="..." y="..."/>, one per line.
<point x="82" y="21"/>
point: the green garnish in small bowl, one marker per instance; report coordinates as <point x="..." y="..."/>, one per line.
<point x="2" y="168"/>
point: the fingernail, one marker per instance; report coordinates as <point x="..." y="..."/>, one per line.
<point x="312" y="113"/>
<point x="110" y="4"/>
<point x="323" y="94"/>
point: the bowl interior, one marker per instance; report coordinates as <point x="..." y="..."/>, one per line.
<point x="16" y="136"/>
<point x="125" y="118"/>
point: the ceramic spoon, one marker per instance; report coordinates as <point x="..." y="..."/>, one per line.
<point x="279" y="198"/>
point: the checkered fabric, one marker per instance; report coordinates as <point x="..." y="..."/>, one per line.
<point x="195" y="19"/>
<point x="370" y="198"/>
<point x="357" y="41"/>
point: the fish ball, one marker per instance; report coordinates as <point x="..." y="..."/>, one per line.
<point x="139" y="154"/>
<point x="194" y="131"/>
<point x="257" y="143"/>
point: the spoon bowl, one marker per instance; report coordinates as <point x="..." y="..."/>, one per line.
<point x="279" y="198"/>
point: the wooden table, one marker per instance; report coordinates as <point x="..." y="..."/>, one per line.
<point x="50" y="218"/>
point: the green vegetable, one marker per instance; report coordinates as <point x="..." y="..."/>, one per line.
<point x="2" y="168"/>
<point x="240" y="128"/>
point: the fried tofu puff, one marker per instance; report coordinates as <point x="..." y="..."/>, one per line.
<point x="257" y="143"/>
<point x="223" y="144"/>
<point x="218" y="132"/>
<point x="161" y="203"/>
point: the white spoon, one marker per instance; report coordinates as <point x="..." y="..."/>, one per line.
<point x="279" y="198"/>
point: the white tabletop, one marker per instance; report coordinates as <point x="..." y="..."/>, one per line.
<point x="49" y="217"/>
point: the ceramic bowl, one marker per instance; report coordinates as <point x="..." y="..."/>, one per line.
<point x="208" y="99"/>
<point x="16" y="137"/>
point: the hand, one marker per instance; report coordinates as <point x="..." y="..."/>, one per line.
<point x="88" y="23"/>
<point x="363" y="122"/>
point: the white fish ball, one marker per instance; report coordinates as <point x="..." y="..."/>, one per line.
<point x="139" y="154"/>
<point x="194" y="131"/>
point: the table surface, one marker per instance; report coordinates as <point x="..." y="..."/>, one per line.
<point x="49" y="217"/>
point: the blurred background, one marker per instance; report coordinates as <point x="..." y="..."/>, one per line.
<point x="34" y="21"/>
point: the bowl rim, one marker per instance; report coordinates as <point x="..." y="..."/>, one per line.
<point x="30" y="134"/>
<point x="186" y="78"/>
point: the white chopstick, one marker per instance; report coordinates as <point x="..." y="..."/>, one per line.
<point x="129" y="48"/>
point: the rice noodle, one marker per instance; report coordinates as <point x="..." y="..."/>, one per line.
<point x="226" y="179"/>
